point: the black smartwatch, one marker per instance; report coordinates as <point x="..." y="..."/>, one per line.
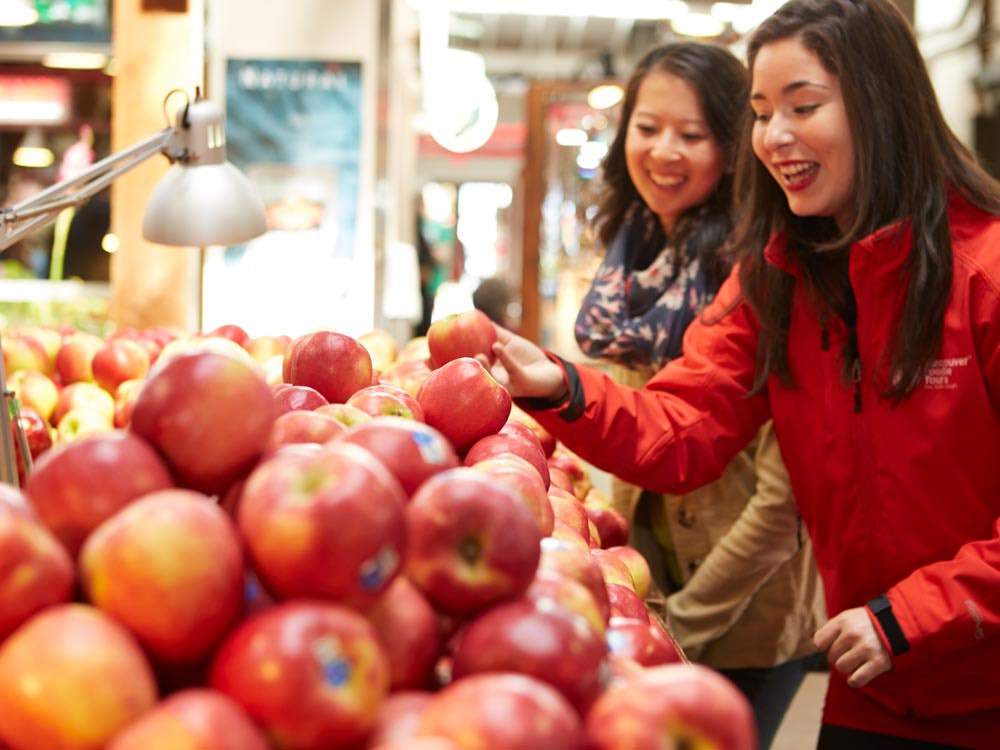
<point x="881" y="607"/>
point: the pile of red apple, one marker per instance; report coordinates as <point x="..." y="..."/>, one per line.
<point x="374" y="552"/>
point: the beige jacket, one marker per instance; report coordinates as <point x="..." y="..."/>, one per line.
<point x="751" y="594"/>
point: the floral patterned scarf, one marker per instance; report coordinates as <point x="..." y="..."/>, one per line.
<point x="637" y="316"/>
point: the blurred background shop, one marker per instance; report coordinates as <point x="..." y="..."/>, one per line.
<point x="406" y="150"/>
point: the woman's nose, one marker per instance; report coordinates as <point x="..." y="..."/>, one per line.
<point x="778" y="133"/>
<point x="665" y="148"/>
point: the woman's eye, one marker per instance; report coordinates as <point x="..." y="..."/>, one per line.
<point x="806" y="109"/>
<point x="645" y="129"/>
<point x="693" y="137"/>
<point x="761" y="117"/>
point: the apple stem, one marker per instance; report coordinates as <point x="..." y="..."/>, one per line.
<point x="470" y="550"/>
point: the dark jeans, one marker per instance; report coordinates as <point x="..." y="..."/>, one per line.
<point x="841" y="738"/>
<point x="769" y="691"/>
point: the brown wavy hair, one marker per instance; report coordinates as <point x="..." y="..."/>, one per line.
<point x="720" y="82"/>
<point x="906" y="161"/>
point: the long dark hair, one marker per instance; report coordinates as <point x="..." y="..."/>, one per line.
<point x="720" y="82"/>
<point x="906" y="161"/>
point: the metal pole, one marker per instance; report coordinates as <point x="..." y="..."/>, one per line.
<point x="8" y="459"/>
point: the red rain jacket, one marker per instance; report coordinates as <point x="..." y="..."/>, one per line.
<point x="901" y="500"/>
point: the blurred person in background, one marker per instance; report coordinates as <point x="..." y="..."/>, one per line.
<point x="744" y="595"/>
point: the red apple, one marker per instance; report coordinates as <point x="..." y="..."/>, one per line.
<point x="36" y="433"/>
<point x="398" y="719"/>
<point x="263" y="348"/>
<point x="594" y="536"/>
<point x="35" y="571"/>
<point x="686" y="704"/>
<point x="195" y="719"/>
<point x="334" y="364"/>
<point x="412" y="451"/>
<point x="232" y="332"/>
<point x="185" y="345"/>
<point x="562" y="650"/>
<point x="613" y="569"/>
<point x="409" y="375"/>
<point x="564" y="559"/>
<point x="387" y="401"/>
<point x="119" y="360"/>
<point x="81" y="422"/>
<point x="296" y="397"/>
<point x="501" y="444"/>
<point x="626" y="603"/>
<point x="461" y="335"/>
<point x="84" y="395"/>
<point x="23" y="352"/>
<point x="502" y="712"/>
<point x="75" y="487"/>
<point x="169" y="567"/>
<point x="637" y="566"/>
<point x="381" y="347"/>
<point x="35" y="391"/>
<point x="71" y="678"/>
<point x="551" y="590"/>
<point x="464" y="402"/>
<point x="73" y="360"/>
<point x="125" y="398"/>
<point x="612" y="526"/>
<point x="559" y="478"/>
<point x="574" y="469"/>
<point x="12" y="499"/>
<point x="570" y="511"/>
<point x="327" y="525"/>
<point x="311" y="674"/>
<point x="519" y="429"/>
<point x="348" y="416"/>
<point x="523" y="480"/>
<point x="545" y="438"/>
<point x="49" y="338"/>
<point x="643" y="641"/>
<point x="415" y="349"/>
<point x="407" y="626"/>
<point x="209" y="415"/>
<point x="302" y="427"/>
<point x="419" y="743"/>
<point x="471" y="542"/>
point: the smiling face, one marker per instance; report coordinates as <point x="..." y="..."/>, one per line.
<point x="671" y="155"/>
<point x="801" y="132"/>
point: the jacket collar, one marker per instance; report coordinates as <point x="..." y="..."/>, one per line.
<point x="887" y="246"/>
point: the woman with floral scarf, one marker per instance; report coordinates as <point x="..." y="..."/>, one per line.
<point x="743" y="594"/>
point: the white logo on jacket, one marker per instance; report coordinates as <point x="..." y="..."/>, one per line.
<point x="939" y="374"/>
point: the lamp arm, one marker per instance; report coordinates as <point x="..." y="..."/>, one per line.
<point x="44" y="207"/>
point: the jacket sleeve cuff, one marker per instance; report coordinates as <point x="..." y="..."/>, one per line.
<point x="570" y="406"/>
<point x="887" y="626"/>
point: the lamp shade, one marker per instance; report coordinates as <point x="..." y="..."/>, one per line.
<point x="202" y="199"/>
<point x="212" y="204"/>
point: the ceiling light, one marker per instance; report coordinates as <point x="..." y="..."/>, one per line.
<point x="17" y="13"/>
<point x="110" y="243"/>
<point x="605" y="96"/>
<point x="699" y="25"/>
<point x="594" y="150"/>
<point x="32" y="152"/>
<point x="75" y="60"/>
<point x="571" y="137"/>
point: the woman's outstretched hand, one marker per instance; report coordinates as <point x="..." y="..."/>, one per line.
<point x="524" y="370"/>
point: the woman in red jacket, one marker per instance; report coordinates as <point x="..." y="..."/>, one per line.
<point x="864" y="318"/>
